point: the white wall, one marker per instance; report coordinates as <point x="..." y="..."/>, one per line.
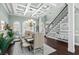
<point x="21" y="20"/>
<point x="41" y="25"/>
<point x="3" y="14"/>
<point x="77" y="26"/>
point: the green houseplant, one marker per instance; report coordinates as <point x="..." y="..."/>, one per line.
<point x="5" y="41"/>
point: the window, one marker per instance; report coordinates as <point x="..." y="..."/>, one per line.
<point x="17" y="27"/>
<point x="24" y="27"/>
<point x="2" y="24"/>
<point x="28" y="26"/>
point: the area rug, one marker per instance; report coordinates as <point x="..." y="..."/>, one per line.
<point x="17" y="50"/>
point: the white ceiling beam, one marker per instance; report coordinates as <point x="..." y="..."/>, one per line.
<point x="14" y="7"/>
<point x="37" y="10"/>
<point x="21" y="5"/>
<point x="20" y="9"/>
<point x="5" y="7"/>
<point x="27" y="7"/>
<point x="9" y="7"/>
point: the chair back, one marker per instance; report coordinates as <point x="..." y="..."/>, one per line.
<point x="38" y="40"/>
<point x="28" y="34"/>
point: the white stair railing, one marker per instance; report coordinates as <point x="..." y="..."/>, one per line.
<point x="57" y="20"/>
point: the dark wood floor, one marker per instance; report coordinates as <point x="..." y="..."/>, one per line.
<point x="61" y="47"/>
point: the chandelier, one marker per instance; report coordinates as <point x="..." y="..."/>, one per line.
<point x="31" y="22"/>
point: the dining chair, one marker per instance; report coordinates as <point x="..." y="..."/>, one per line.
<point x="38" y="42"/>
<point x="28" y="34"/>
<point x="25" y="44"/>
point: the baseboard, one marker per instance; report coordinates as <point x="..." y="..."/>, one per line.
<point x="77" y="44"/>
<point x="61" y="40"/>
<point x="51" y="37"/>
<point x="57" y="39"/>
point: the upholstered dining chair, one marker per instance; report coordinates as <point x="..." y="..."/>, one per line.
<point x="38" y="42"/>
<point x="28" y="34"/>
<point x="25" y="44"/>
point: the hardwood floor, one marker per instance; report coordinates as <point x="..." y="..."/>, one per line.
<point x="61" y="47"/>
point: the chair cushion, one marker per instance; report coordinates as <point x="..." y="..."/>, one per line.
<point x="30" y="39"/>
<point x="25" y="44"/>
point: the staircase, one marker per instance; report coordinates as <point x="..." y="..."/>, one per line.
<point x="58" y="28"/>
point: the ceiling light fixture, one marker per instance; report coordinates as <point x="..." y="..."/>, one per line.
<point x="31" y="22"/>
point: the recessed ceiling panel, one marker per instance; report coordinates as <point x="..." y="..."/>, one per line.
<point x="24" y="4"/>
<point x="35" y="5"/>
<point x="20" y="7"/>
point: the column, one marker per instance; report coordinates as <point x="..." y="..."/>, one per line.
<point x="71" y="36"/>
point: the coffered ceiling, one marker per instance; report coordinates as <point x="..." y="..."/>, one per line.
<point x="32" y="9"/>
